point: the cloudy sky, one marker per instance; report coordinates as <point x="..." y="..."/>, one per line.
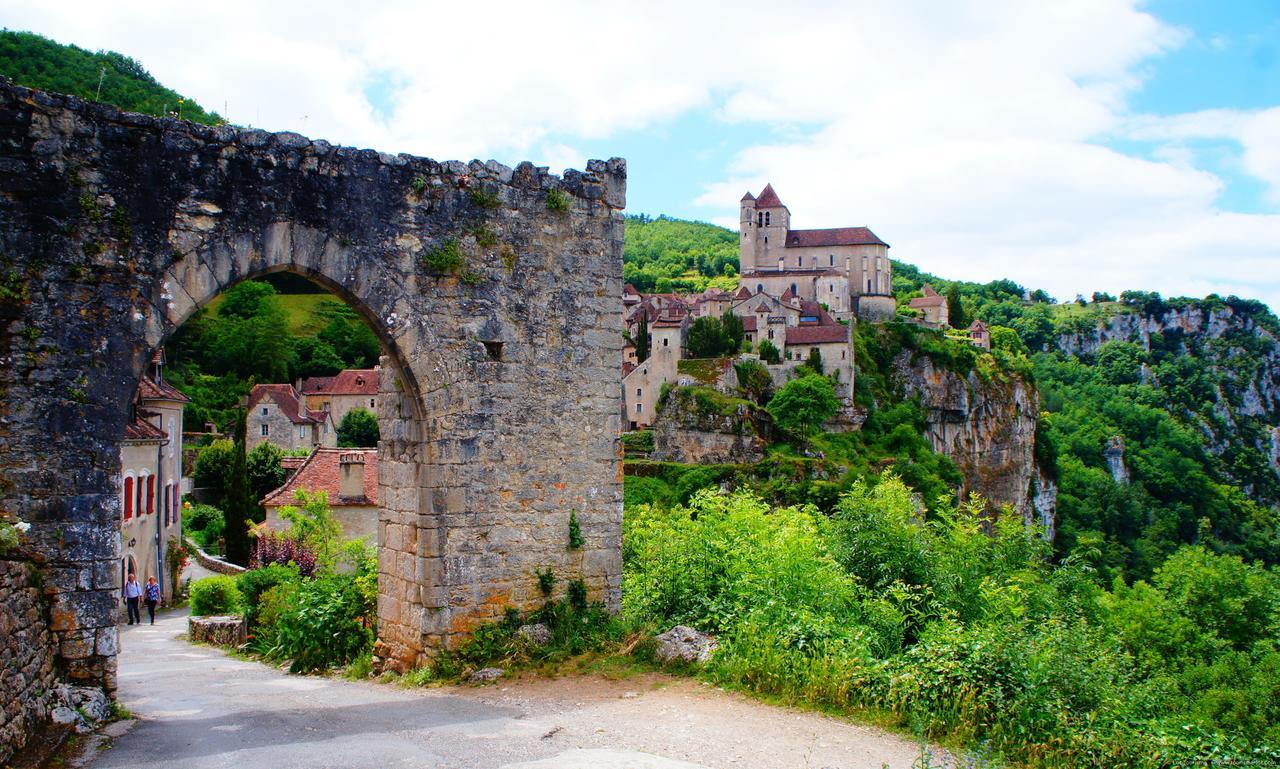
<point x="1076" y="146"/>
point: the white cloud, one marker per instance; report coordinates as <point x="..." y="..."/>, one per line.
<point x="967" y="134"/>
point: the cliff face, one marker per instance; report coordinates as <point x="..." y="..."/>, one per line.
<point x="1241" y="356"/>
<point x="988" y="428"/>
<point x="699" y="426"/>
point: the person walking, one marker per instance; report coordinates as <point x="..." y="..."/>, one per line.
<point x="133" y="591"/>
<point x="151" y="594"/>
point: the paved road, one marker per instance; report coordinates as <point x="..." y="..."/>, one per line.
<point x="199" y="708"/>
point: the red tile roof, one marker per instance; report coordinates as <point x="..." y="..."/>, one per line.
<point x="768" y="198"/>
<point x="139" y="429"/>
<point x="977" y="325"/>
<point x="743" y="293"/>
<point x="839" y="236"/>
<point x="352" y="381"/>
<point x="928" y="301"/>
<point x="287" y="399"/>
<point x="748" y="196"/>
<point x="817" y="334"/>
<point x="323" y="472"/>
<point x="151" y="390"/>
<point x="749" y="323"/>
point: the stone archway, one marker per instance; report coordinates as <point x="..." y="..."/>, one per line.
<point x="495" y="290"/>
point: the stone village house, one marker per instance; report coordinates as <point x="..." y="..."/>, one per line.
<point x="151" y="482"/>
<point x="278" y="414"/>
<point x="339" y="394"/>
<point x="307" y="415"/>
<point x="796" y="327"/>
<point x="348" y="477"/>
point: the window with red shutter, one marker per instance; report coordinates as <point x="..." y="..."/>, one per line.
<point x="128" y="498"/>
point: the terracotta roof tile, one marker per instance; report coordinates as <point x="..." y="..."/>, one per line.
<point x="977" y="325"/>
<point x="928" y="301"/>
<point x="151" y="390"/>
<point x="839" y="236"/>
<point x="817" y="334"/>
<point x="286" y="398"/>
<point x="748" y="196"/>
<point x="139" y="429"/>
<point x="768" y="198"/>
<point x="322" y="471"/>
<point x="743" y="293"/>
<point x="352" y="381"/>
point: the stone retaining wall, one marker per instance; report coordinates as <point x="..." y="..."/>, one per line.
<point x="27" y="676"/>
<point x="215" y="565"/>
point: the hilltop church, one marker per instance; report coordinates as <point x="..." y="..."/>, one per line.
<point x="845" y="268"/>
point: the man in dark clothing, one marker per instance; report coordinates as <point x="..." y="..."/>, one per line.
<point x="132" y="592"/>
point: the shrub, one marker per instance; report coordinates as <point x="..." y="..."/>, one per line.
<point x="253" y="583"/>
<point x="327" y="624"/>
<point x="557" y="201"/>
<point x="215" y="595"/>
<point x="769" y="352"/>
<point x="205" y="523"/>
<point x="359" y="428"/>
<point x="445" y="258"/>
<point x="803" y="404"/>
<point x="276" y="547"/>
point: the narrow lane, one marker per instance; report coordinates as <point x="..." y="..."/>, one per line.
<point x="198" y="708"/>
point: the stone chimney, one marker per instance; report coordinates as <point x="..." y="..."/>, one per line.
<point x="351" y="482"/>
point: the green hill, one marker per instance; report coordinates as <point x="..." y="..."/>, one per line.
<point x="38" y="62"/>
<point x="1195" y="408"/>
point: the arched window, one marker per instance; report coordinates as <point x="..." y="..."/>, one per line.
<point x="151" y="494"/>
<point x="760" y="219"/>
<point x="793" y="290"/>
<point x="759" y="287"/>
<point x="128" y="497"/>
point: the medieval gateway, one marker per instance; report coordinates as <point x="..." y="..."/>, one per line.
<point x="498" y="395"/>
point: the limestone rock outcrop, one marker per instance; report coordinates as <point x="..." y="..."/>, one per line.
<point x="1240" y="347"/>
<point x="988" y="428"/>
<point x="698" y="426"/>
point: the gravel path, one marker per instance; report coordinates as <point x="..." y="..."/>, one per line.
<point x="196" y="707"/>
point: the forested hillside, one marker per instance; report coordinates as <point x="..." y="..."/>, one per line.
<point x="671" y="255"/>
<point x="38" y="62"/>
<point x="253" y="333"/>
<point x="1190" y="386"/>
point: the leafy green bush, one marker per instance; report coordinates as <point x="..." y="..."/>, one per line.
<point x="328" y="624"/>
<point x="215" y="595"/>
<point x="253" y="583"/>
<point x="961" y="628"/>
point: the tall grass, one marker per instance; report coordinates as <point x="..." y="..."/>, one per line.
<point x="962" y="630"/>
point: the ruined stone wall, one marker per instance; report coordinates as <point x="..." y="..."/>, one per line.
<point x="26" y="657"/>
<point x="494" y="290"/>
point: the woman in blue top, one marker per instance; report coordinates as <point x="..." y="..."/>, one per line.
<point x="152" y="595"/>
